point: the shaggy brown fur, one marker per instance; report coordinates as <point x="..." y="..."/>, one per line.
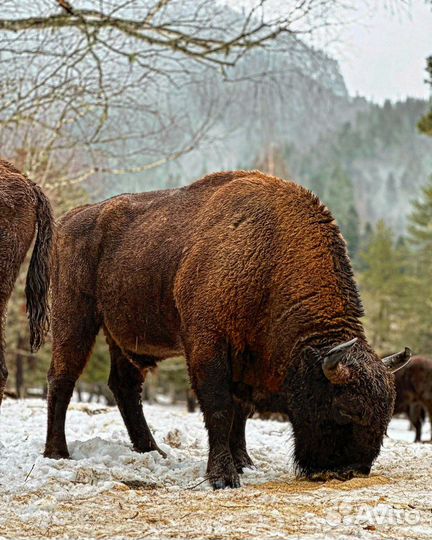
<point x="414" y="392"/>
<point x="23" y="209"/>
<point x="247" y="275"/>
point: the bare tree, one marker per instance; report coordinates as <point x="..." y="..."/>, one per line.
<point x="101" y="82"/>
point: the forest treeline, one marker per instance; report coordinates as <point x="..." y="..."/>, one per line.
<point x="367" y="168"/>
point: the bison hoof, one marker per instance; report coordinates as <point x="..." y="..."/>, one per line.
<point x="56" y="454"/>
<point x="242" y="461"/>
<point x="150" y="448"/>
<point x="161" y="452"/>
<point x="222" y="473"/>
<point x="222" y="483"/>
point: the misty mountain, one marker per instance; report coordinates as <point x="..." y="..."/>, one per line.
<point x="289" y="113"/>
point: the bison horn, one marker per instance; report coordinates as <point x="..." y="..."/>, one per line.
<point x="398" y="360"/>
<point x="330" y="365"/>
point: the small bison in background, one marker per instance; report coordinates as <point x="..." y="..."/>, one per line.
<point x="414" y="392"/>
<point x="23" y="210"/>
<point x="249" y="277"/>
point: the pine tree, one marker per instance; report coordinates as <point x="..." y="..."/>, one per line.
<point x="425" y="124"/>
<point x="364" y="240"/>
<point x="339" y="195"/>
<point x="383" y="279"/>
<point x="420" y="302"/>
<point x="420" y="221"/>
<point x="351" y="231"/>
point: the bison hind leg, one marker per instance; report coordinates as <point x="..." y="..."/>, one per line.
<point x="125" y="381"/>
<point x="416" y="418"/>
<point x="3" y="368"/>
<point x="74" y="332"/>
<point x="3" y="371"/>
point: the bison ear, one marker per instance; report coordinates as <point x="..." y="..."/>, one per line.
<point x="398" y="360"/>
<point x="335" y="372"/>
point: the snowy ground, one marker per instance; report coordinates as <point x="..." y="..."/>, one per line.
<point x="108" y="491"/>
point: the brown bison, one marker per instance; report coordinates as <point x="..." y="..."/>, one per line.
<point x="414" y="392"/>
<point x="248" y="276"/>
<point x="23" y="209"/>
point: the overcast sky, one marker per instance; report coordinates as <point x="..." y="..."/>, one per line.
<point x="382" y="54"/>
<point x="381" y="45"/>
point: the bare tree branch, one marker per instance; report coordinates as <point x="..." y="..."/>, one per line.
<point x="96" y="83"/>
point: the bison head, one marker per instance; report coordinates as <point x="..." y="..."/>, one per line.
<point x="342" y="402"/>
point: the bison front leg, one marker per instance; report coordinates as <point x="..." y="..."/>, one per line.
<point x="239" y="453"/>
<point x="211" y="381"/>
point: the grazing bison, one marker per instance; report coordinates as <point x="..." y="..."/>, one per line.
<point x="23" y="209"/>
<point x="414" y="392"/>
<point x="248" y="276"/>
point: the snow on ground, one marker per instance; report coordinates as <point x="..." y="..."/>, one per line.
<point x="108" y="491"/>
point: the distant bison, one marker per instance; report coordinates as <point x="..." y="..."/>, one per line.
<point x="249" y="276"/>
<point x="414" y="392"/>
<point x="23" y="210"/>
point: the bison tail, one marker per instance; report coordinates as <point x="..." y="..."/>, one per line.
<point x="38" y="275"/>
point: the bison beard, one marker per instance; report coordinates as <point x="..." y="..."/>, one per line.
<point x="248" y="276"/>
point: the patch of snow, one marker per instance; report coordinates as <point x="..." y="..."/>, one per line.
<point x="103" y="464"/>
<point x="399" y="429"/>
<point x="101" y="453"/>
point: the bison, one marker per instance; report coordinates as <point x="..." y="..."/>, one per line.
<point x="248" y="276"/>
<point x="414" y="392"/>
<point x="24" y="209"/>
